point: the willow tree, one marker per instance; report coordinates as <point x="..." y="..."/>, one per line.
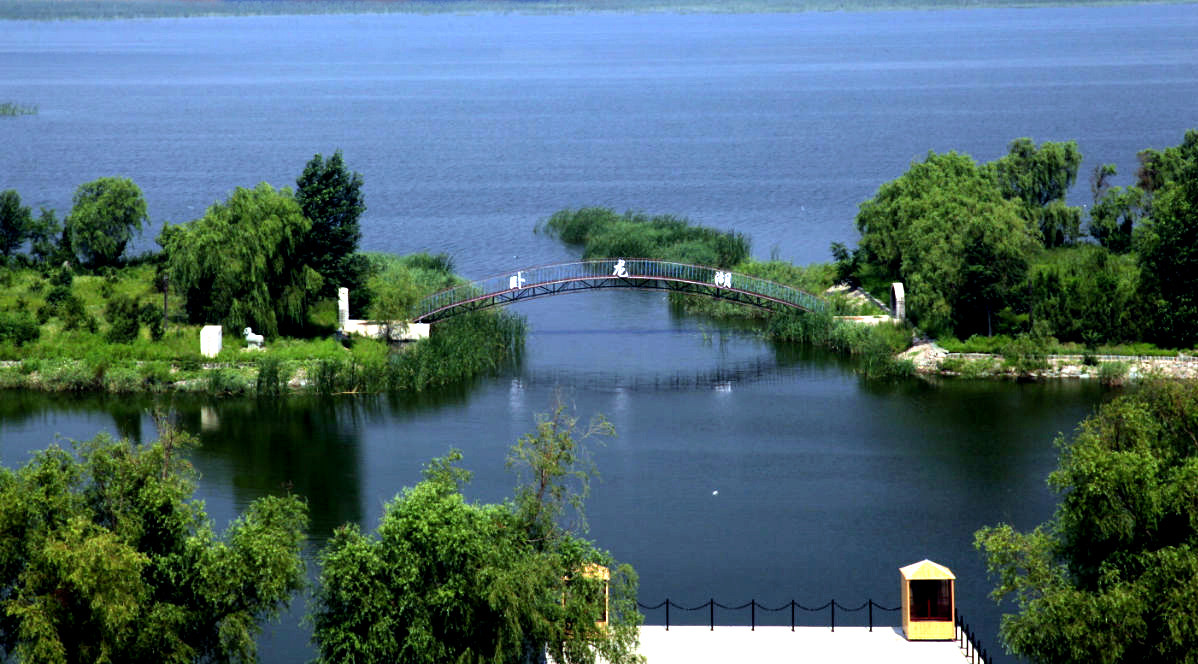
<point x="106" y="557"/>
<point x="443" y="579"/>
<point x="238" y="264"/>
<point x="1113" y="576"/>
<point x="104" y="214"/>
<point x="945" y="229"/>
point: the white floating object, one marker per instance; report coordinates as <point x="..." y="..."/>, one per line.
<point x="716" y="492"/>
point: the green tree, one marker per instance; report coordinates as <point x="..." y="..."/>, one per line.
<point x="1159" y="168"/>
<point x="946" y="230"/>
<point x="102" y="220"/>
<point x="446" y="580"/>
<point x="330" y="196"/>
<point x="238" y="264"/>
<point x="16" y="221"/>
<point x="106" y="557"/>
<point x="47" y="241"/>
<point x="1114" y="217"/>
<point x="1168" y="251"/>
<point x="1039" y="178"/>
<point x="1113" y="576"/>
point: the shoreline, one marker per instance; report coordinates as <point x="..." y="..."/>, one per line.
<point x="932" y="360"/>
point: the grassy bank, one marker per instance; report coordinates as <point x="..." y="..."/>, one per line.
<point x="64" y="332"/>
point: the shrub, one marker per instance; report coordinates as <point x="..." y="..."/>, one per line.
<point x="225" y="382"/>
<point x="18" y="328"/>
<point x="123" y="379"/>
<point x="155" y="375"/>
<point x="267" y="383"/>
<point x="122" y="314"/>
<point x="1025" y="355"/>
<point x="69" y="376"/>
<point x="1113" y="373"/>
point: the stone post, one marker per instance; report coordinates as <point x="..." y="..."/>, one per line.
<point x="342" y="308"/>
<point x="898" y="298"/>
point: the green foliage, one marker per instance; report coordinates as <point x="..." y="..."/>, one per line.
<point x="330" y="196"/>
<point x="122" y="313"/>
<point x="874" y="345"/>
<point x="1115" y="215"/>
<point x="397" y="283"/>
<point x="45" y="236"/>
<point x="1113" y="373"/>
<point x="102" y="220"/>
<point x="461" y="348"/>
<point x="1026" y="354"/>
<point x="1039" y="178"/>
<point x="969" y="367"/>
<point x="268" y="384"/>
<point x="238" y="264"/>
<point x="1085" y="293"/>
<point x="105" y="557"/>
<point x="12" y="109"/>
<point x="945" y="229"/>
<point x="606" y="234"/>
<point x="1168" y="251"/>
<point x="16" y="222"/>
<point x="445" y="580"/>
<point x="18" y="328"/>
<point x="1113" y="576"/>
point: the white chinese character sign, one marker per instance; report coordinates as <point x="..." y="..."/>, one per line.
<point x="516" y="280"/>
<point x="620" y="270"/>
<point x="723" y="279"/>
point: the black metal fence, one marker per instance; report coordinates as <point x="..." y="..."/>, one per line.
<point x="966" y="638"/>
<point x="754" y="606"/>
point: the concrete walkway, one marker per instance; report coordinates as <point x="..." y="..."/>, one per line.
<point x="779" y="645"/>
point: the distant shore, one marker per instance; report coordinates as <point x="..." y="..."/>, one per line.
<point x="53" y="10"/>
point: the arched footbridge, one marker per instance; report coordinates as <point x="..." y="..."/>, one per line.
<point x="645" y="274"/>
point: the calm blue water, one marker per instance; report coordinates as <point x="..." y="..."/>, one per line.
<point x="469" y="130"/>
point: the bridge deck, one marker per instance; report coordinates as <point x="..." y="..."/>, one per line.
<point x="614" y="273"/>
<point x="779" y="645"/>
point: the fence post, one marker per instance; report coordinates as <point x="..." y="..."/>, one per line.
<point x="792" y="615"/>
<point x="833" y="603"/>
<point x="667" y="614"/>
<point x="752" y="615"/>
<point x="871" y="615"/>
<point x="711" y="610"/>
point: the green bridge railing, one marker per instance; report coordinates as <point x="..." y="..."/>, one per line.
<point x="614" y="273"/>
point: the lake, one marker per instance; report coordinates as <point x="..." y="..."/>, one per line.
<point x="469" y="130"/>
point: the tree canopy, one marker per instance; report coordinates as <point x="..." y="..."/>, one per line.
<point x="102" y="220"/>
<point x="106" y="557"/>
<point x="446" y="580"/>
<point x="1113" y="576"/>
<point x="945" y="229"/>
<point x="1168" y="251"/>
<point x="238" y="265"/>
<point x="16" y="221"/>
<point x="330" y="196"/>
<point x="1039" y="178"/>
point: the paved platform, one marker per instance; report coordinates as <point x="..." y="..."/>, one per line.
<point x="779" y="645"/>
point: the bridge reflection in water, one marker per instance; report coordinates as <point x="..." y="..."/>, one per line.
<point x="645" y="274"/>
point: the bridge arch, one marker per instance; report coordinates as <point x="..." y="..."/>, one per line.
<point x="640" y="273"/>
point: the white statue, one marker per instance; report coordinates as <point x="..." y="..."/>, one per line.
<point x="253" y="340"/>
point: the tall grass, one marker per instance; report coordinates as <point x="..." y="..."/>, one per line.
<point x="605" y="234"/>
<point x="874" y="345"/>
<point x="10" y="109"/>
